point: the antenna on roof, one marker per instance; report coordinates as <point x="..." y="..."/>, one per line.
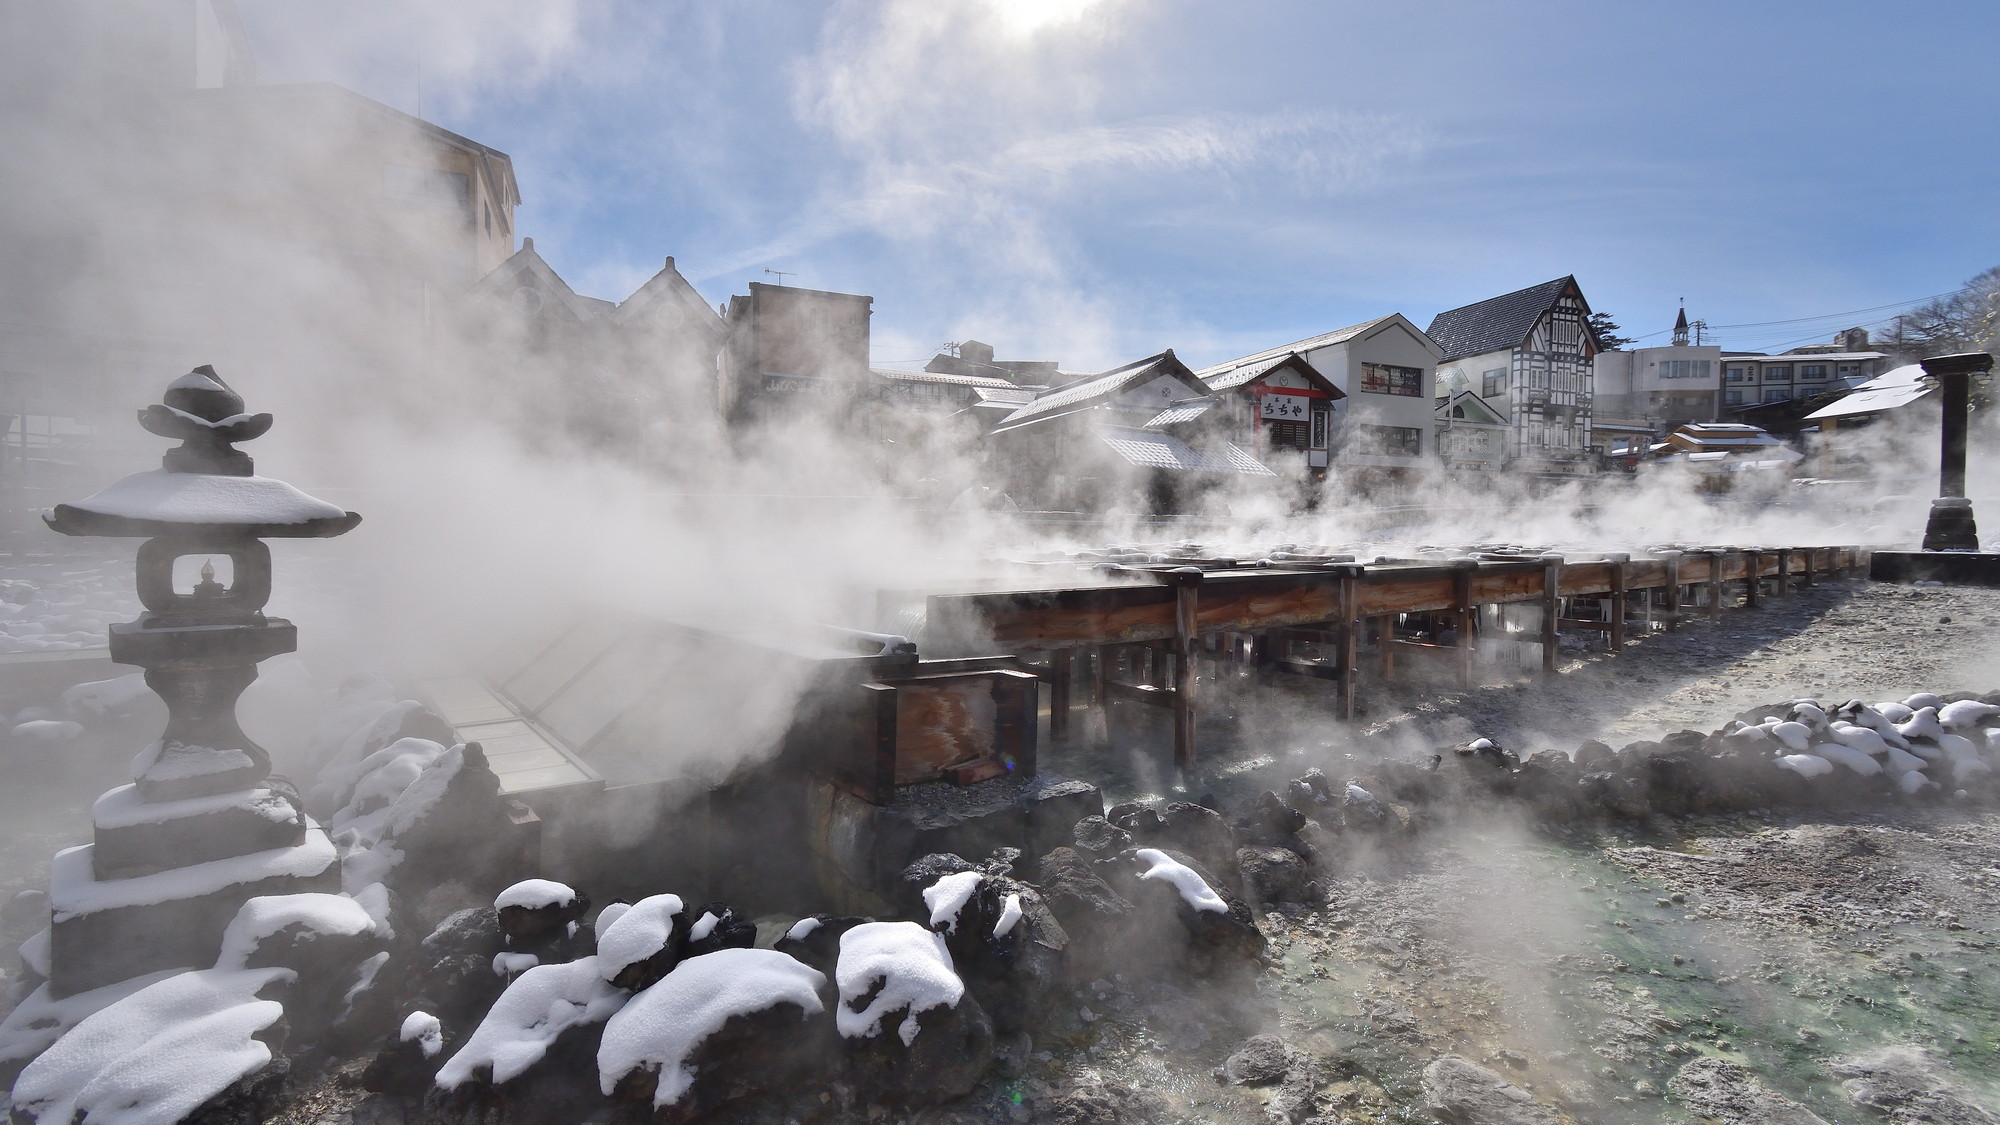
<point x="781" y="275"/>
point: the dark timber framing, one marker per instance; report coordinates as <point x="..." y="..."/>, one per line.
<point x="1154" y="627"/>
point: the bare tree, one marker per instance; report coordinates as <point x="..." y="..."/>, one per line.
<point x="1965" y="321"/>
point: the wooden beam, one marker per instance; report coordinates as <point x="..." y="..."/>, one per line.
<point x="1350" y="630"/>
<point x="1187" y="583"/>
<point x="1062" y="667"/>
<point x="1552" y="566"/>
<point x="1466" y="612"/>
<point x="1673" y="562"/>
<point x="1617" y="600"/>
<point x="1753" y="573"/>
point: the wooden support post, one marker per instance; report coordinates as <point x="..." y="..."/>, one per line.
<point x="1806" y="578"/>
<point x="1462" y="571"/>
<point x="1187" y="592"/>
<point x="1385" y="644"/>
<point x="1673" y="561"/>
<point x="1753" y="573"/>
<point x="1715" y="564"/>
<point x="1784" y="571"/>
<point x="1617" y="562"/>
<point x="1350" y="638"/>
<point x="1062" y="667"/>
<point x="1551" y="609"/>
<point x="1100" y="675"/>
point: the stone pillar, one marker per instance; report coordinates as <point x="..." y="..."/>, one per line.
<point x="1951" y="526"/>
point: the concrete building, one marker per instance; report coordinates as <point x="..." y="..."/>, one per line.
<point x="1385" y="372"/>
<point x="1642" y="393"/>
<point x="790" y="348"/>
<point x="1751" y="379"/>
<point x="1529" y="353"/>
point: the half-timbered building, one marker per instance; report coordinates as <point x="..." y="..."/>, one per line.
<point x="1529" y="353"/>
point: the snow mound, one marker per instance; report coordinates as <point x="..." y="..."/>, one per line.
<point x="1194" y="890"/>
<point x="1805" y="765"/>
<point x="42" y="1019"/>
<point x="1864" y="739"/>
<point x="611" y="913"/>
<point x="909" y="962"/>
<point x="637" y="933"/>
<point x="1848" y="756"/>
<point x="47" y="730"/>
<point x="948" y="896"/>
<point x="263" y="916"/>
<point x="663" y="1025"/>
<point x="1797" y="737"/>
<point x="802" y="929"/>
<point x="535" y="894"/>
<point x="154" y="1056"/>
<point x="1966" y="714"/>
<point x="102" y="697"/>
<point x="426" y="1030"/>
<point x="541" y="1004"/>
<point x="703" y="926"/>
<point x="510" y="964"/>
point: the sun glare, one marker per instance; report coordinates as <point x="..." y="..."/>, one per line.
<point x="1026" y="17"/>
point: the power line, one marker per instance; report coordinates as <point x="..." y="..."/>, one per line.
<point x="1715" y="328"/>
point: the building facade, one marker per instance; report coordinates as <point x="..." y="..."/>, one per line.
<point x="793" y="349"/>
<point x="1384" y="372"/>
<point x="1529" y="354"/>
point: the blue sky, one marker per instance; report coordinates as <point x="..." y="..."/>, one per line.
<point x="1095" y="180"/>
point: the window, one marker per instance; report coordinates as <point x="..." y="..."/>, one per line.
<point x="1777" y="394"/>
<point x="1493" y="383"/>
<point x="1846" y="369"/>
<point x="1732" y="397"/>
<point x="1394" y="441"/>
<point x="1683" y="369"/>
<point x="1387" y="379"/>
<point x="1287" y="435"/>
<point x="1812" y="371"/>
<point x="1738" y="374"/>
<point x="1778" y="373"/>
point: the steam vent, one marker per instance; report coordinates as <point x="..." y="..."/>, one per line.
<point x="199" y="830"/>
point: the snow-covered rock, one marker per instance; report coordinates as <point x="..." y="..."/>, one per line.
<point x="946" y="897"/>
<point x="904" y="965"/>
<point x="1194" y="890"/>
<point x="523" y="1024"/>
<point x="660" y="1028"/>
<point x="312" y="915"/>
<point x="1805" y="765"/>
<point x="156" y="1055"/>
<point x="641" y="944"/>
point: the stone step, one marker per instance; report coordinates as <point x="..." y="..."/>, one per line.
<point x="138" y="837"/>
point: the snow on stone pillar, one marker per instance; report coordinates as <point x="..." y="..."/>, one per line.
<point x="197" y="832"/>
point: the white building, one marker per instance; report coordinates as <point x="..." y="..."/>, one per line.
<point x="1385" y="371"/>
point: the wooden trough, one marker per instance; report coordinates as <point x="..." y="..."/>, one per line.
<point x="1140" y="635"/>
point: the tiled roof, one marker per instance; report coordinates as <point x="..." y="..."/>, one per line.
<point x="1180" y="412"/>
<point x="1277" y="355"/>
<point x="1496" y="323"/>
<point x="1087" y="392"/>
<point x="1164" y="451"/>
<point x="901" y="376"/>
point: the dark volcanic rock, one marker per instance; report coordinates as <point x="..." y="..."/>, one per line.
<point x="400" y="1068"/>
<point x="1273" y="874"/>
<point x="727" y="931"/>
<point x="454" y="977"/>
<point x="948" y="1057"/>
<point x="1100" y="837"/>
<point x="250" y="1100"/>
<point x="1615" y="794"/>
<point x="1015" y="975"/>
<point x="1906" y="1085"/>
<point x="534" y="929"/>
<point x="1215" y="941"/>
<point x="1261" y="1061"/>
<point x="1201" y="832"/>
<point x="820" y="947"/>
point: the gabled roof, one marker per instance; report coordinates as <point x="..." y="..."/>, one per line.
<point x="1312" y="343"/>
<point x="1497" y="323"/>
<point x="1242" y="372"/>
<point x="1468" y="404"/>
<point x="901" y="375"/>
<point x="669" y="289"/>
<point x="1149" y="449"/>
<point x="1096" y="390"/>
<point x="527" y="269"/>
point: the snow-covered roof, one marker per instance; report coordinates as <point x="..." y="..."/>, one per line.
<point x="898" y="375"/>
<point x="1180" y="412"/>
<point x="161" y="502"/>
<point x="1164" y="451"/>
<point x="1098" y="388"/>
<point x="1886" y="391"/>
<point x="1807" y="357"/>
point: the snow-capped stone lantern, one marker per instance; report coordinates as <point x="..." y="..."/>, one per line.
<point x="197" y="832"/>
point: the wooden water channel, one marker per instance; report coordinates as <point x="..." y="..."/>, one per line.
<point x="1142" y="638"/>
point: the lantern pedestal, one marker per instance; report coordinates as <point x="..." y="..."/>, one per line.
<point x="198" y="832"/>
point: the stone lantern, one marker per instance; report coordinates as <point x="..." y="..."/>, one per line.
<point x="198" y="831"/>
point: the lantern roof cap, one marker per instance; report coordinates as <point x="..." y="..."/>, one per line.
<point x="205" y="487"/>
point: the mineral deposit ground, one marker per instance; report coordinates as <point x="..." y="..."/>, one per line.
<point x="1481" y="963"/>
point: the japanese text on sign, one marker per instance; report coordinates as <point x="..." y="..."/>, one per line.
<point x="1286" y="406"/>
